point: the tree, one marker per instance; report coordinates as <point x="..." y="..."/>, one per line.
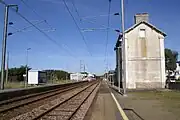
<point x="170" y="59"/>
<point x="16" y="74"/>
<point x="57" y="74"/>
<point x="175" y="54"/>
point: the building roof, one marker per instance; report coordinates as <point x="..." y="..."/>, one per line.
<point x="141" y="13"/>
<point x="148" y="24"/>
<point x="134" y="26"/>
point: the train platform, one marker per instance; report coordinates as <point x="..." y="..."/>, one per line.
<point x="140" y="105"/>
<point x="111" y="105"/>
<point x="104" y="106"/>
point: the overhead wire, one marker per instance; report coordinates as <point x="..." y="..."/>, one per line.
<point x="47" y="36"/>
<point x="104" y="26"/>
<point x="20" y="30"/>
<point x="73" y="3"/>
<point x="34" y="11"/>
<point x="25" y="28"/>
<point x="104" y="15"/>
<point x="10" y="26"/>
<point x="77" y="27"/>
<point x="107" y="34"/>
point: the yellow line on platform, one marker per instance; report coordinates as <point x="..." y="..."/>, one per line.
<point x="124" y="116"/>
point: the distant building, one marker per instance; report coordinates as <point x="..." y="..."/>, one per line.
<point x="145" y="59"/>
<point x="77" y="76"/>
<point x="178" y="67"/>
<point x="37" y="77"/>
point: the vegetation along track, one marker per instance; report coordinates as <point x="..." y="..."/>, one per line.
<point x="63" y="108"/>
<point x="21" y="105"/>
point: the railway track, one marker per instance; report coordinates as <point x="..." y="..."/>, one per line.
<point x="62" y="108"/>
<point x="17" y="106"/>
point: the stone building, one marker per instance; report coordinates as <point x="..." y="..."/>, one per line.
<point x="145" y="59"/>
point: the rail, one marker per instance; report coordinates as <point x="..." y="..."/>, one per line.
<point x="69" y="104"/>
<point x="17" y="104"/>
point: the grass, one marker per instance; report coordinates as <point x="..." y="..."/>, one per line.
<point x="11" y="85"/>
<point x="60" y="81"/>
<point x="170" y="100"/>
<point x="14" y="85"/>
<point x="162" y="95"/>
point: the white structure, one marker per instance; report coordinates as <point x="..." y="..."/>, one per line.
<point x="77" y="76"/>
<point x="177" y="68"/>
<point x="145" y="59"/>
<point x="91" y="75"/>
<point x="177" y="71"/>
<point x="36" y="77"/>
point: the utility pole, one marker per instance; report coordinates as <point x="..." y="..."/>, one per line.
<point x="26" y="81"/>
<point x="124" y="51"/>
<point x="7" y="67"/>
<point x="4" y="46"/>
<point x="84" y="68"/>
<point x="4" y="43"/>
<point x="107" y="76"/>
<point x="66" y="76"/>
<point x="80" y="65"/>
<point x="66" y="73"/>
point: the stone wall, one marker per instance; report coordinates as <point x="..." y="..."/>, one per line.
<point x="145" y="63"/>
<point x="149" y="85"/>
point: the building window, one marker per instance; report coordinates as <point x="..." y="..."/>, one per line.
<point x="142" y="33"/>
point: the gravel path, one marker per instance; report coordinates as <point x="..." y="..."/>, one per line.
<point x="26" y="108"/>
<point x="50" y="105"/>
<point x="80" y="114"/>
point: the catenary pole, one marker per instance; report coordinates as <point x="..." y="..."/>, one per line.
<point x="7" y="67"/>
<point x="4" y="42"/>
<point x="4" y="46"/>
<point x="124" y="47"/>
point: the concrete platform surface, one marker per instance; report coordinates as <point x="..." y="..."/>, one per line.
<point x="144" y="109"/>
<point x="103" y="107"/>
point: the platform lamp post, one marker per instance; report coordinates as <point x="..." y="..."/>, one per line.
<point x="26" y="80"/>
<point x="4" y="42"/>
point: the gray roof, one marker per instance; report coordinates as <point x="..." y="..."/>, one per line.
<point x="134" y="26"/>
<point x="148" y="24"/>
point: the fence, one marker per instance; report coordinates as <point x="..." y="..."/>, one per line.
<point x="174" y="85"/>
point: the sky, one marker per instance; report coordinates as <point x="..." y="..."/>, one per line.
<point x="66" y="48"/>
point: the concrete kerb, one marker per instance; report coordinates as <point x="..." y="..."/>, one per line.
<point x="117" y="90"/>
<point x="138" y="89"/>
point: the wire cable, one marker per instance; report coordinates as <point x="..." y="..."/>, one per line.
<point x="47" y="36"/>
<point x="107" y="35"/>
<point x="20" y="30"/>
<point x="104" y="26"/>
<point x="93" y="17"/>
<point x="73" y="3"/>
<point x="77" y="26"/>
<point x="33" y="10"/>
